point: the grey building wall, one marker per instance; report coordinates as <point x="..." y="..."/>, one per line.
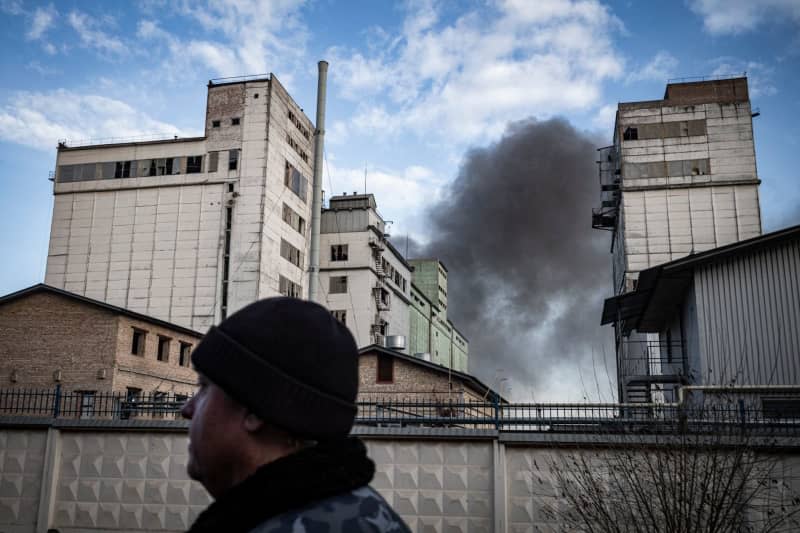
<point x="748" y="317"/>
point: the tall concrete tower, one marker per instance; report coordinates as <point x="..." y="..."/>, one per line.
<point x="190" y="229"/>
<point x="680" y="178"/>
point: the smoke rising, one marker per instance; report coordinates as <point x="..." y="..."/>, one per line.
<point x="528" y="274"/>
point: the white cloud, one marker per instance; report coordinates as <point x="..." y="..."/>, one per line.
<point x="738" y="16"/>
<point x="40" y="119"/>
<point x="660" y="68"/>
<point x="42" y="21"/>
<point x="759" y="76"/>
<point x="256" y="36"/>
<point x="88" y="29"/>
<point x="605" y="117"/>
<point x="41" y="69"/>
<point x="466" y="78"/>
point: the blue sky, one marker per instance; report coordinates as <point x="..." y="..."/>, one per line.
<point x="412" y="84"/>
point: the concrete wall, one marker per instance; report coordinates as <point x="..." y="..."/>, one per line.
<point x="131" y="477"/>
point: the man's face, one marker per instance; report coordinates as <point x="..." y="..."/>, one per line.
<point x="215" y="433"/>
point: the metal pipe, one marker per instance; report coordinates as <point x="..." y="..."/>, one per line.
<point x="316" y="205"/>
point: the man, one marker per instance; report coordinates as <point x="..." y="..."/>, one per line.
<point x="268" y="436"/>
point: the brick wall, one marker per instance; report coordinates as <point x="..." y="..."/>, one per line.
<point x="145" y="371"/>
<point x="44" y="332"/>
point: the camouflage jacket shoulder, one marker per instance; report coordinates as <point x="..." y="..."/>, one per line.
<point x="359" y="510"/>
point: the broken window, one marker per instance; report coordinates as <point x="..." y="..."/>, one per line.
<point x="294" y="220"/>
<point x="235" y="121"/>
<point x="385" y="368"/>
<point x="163" y="348"/>
<point x="338" y="285"/>
<point x="289" y="288"/>
<point x="291" y="254"/>
<point x="339" y="252"/>
<point x="68" y="173"/>
<point x="122" y="169"/>
<point x="233" y="159"/>
<point x="213" y="161"/>
<point x="215" y="123"/>
<point x="296" y="182"/>
<point x="340" y="315"/>
<point x="194" y="164"/>
<point x="184" y="356"/>
<point x="630" y="134"/>
<point x="137" y="343"/>
<point x="160" y="167"/>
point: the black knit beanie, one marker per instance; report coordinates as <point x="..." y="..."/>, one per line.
<point x="290" y="362"/>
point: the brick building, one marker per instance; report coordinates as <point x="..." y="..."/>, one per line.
<point x="389" y="374"/>
<point x="51" y="337"/>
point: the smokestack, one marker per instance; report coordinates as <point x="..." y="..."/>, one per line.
<point x="316" y="205"/>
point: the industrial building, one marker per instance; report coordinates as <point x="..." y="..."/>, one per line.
<point x="726" y="320"/>
<point x="91" y="346"/>
<point x="189" y="230"/>
<point x="383" y="298"/>
<point x="680" y="178"/>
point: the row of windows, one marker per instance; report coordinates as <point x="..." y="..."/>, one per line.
<point x="165" y="166"/>
<point x="235" y="121"/>
<point x="138" y="347"/>
<point x="291" y="217"/>
<point x="296" y="182"/>
<point x="299" y="125"/>
<point x="665" y="130"/>
<point x="661" y="169"/>
<point x="393" y="274"/>
<point x="297" y="148"/>
<point x="289" y="288"/>
<point x="291" y="254"/>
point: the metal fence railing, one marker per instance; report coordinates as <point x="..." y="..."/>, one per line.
<point x="459" y="412"/>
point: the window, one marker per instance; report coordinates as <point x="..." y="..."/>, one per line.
<point x="215" y="123"/>
<point x="630" y="134"/>
<point x="339" y="252"/>
<point x="163" y="348"/>
<point x="67" y="173"/>
<point x="194" y="164"/>
<point x="213" y="161"/>
<point x="289" y="288"/>
<point x="296" y="182"/>
<point x="160" y="167"/>
<point x="385" y="368"/>
<point x="340" y="315"/>
<point x="291" y="142"/>
<point x="235" y="121"/>
<point x="137" y="344"/>
<point x="159" y="404"/>
<point x="233" y="159"/>
<point x="87" y="403"/>
<point x="122" y="169"/>
<point x="291" y="254"/>
<point x="294" y="220"/>
<point x="338" y="285"/>
<point x="132" y="396"/>
<point x="185" y="354"/>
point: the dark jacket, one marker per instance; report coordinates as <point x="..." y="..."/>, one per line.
<point x="321" y="489"/>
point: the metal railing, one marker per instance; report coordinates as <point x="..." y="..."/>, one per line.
<point x="441" y="412"/>
<point x="653" y="358"/>
<point x="144" y="138"/>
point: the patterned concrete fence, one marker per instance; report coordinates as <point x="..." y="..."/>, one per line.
<point x="130" y="476"/>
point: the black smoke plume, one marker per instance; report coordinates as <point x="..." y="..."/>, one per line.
<point x="527" y="273"/>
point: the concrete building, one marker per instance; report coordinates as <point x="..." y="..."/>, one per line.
<point x="432" y="333"/>
<point x="679" y="179"/>
<point x="727" y="318"/>
<point x="364" y="280"/>
<point x="189" y="230"/>
<point x="51" y="337"/>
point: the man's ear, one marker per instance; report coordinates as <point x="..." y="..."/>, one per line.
<point x="252" y="423"/>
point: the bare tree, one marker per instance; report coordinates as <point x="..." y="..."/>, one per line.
<point x="694" y="481"/>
